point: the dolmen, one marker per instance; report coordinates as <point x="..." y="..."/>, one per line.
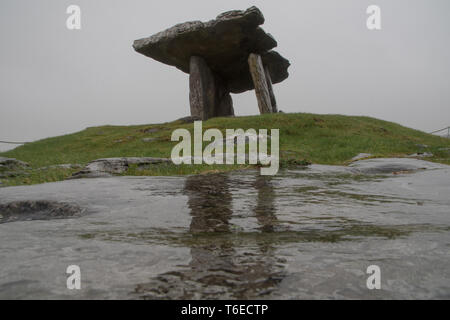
<point x="230" y="54"/>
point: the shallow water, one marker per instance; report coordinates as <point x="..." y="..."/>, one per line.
<point x="305" y="233"/>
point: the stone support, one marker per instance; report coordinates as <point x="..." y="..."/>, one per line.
<point x="208" y="96"/>
<point x="273" y="101"/>
<point x="259" y="80"/>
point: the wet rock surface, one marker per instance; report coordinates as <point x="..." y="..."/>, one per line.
<point x="38" y="210"/>
<point x="395" y="165"/>
<point x="305" y="233"/>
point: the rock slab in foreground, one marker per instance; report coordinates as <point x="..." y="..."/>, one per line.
<point x="271" y="237"/>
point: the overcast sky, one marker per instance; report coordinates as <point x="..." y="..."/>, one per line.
<point x="55" y="81"/>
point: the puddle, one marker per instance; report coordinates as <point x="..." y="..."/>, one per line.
<point x="308" y="233"/>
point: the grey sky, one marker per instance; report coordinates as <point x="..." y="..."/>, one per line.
<point x="55" y="81"/>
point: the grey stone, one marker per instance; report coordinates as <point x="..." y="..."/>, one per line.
<point x="273" y="100"/>
<point x="10" y="167"/>
<point x="12" y="164"/>
<point x="260" y="81"/>
<point x="392" y="166"/>
<point x="420" y="155"/>
<point x="149" y="139"/>
<point x="109" y="166"/>
<point x="361" y="156"/>
<point x="38" y="210"/>
<point x="208" y="96"/>
<point x="190" y="119"/>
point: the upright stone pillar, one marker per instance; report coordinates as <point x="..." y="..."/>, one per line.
<point x="224" y="104"/>
<point x="260" y="82"/>
<point x="273" y="101"/>
<point x="202" y="89"/>
<point x="208" y="95"/>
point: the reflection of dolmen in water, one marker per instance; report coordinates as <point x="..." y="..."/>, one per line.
<point x="265" y="207"/>
<point x="210" y="201"/>
<point x="224" y="264"/>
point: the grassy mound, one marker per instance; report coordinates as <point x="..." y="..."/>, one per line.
<point x="323" y="139"/>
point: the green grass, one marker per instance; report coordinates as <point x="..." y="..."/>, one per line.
<point x="35" y="176"/>
<point x="322" y="139"/>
